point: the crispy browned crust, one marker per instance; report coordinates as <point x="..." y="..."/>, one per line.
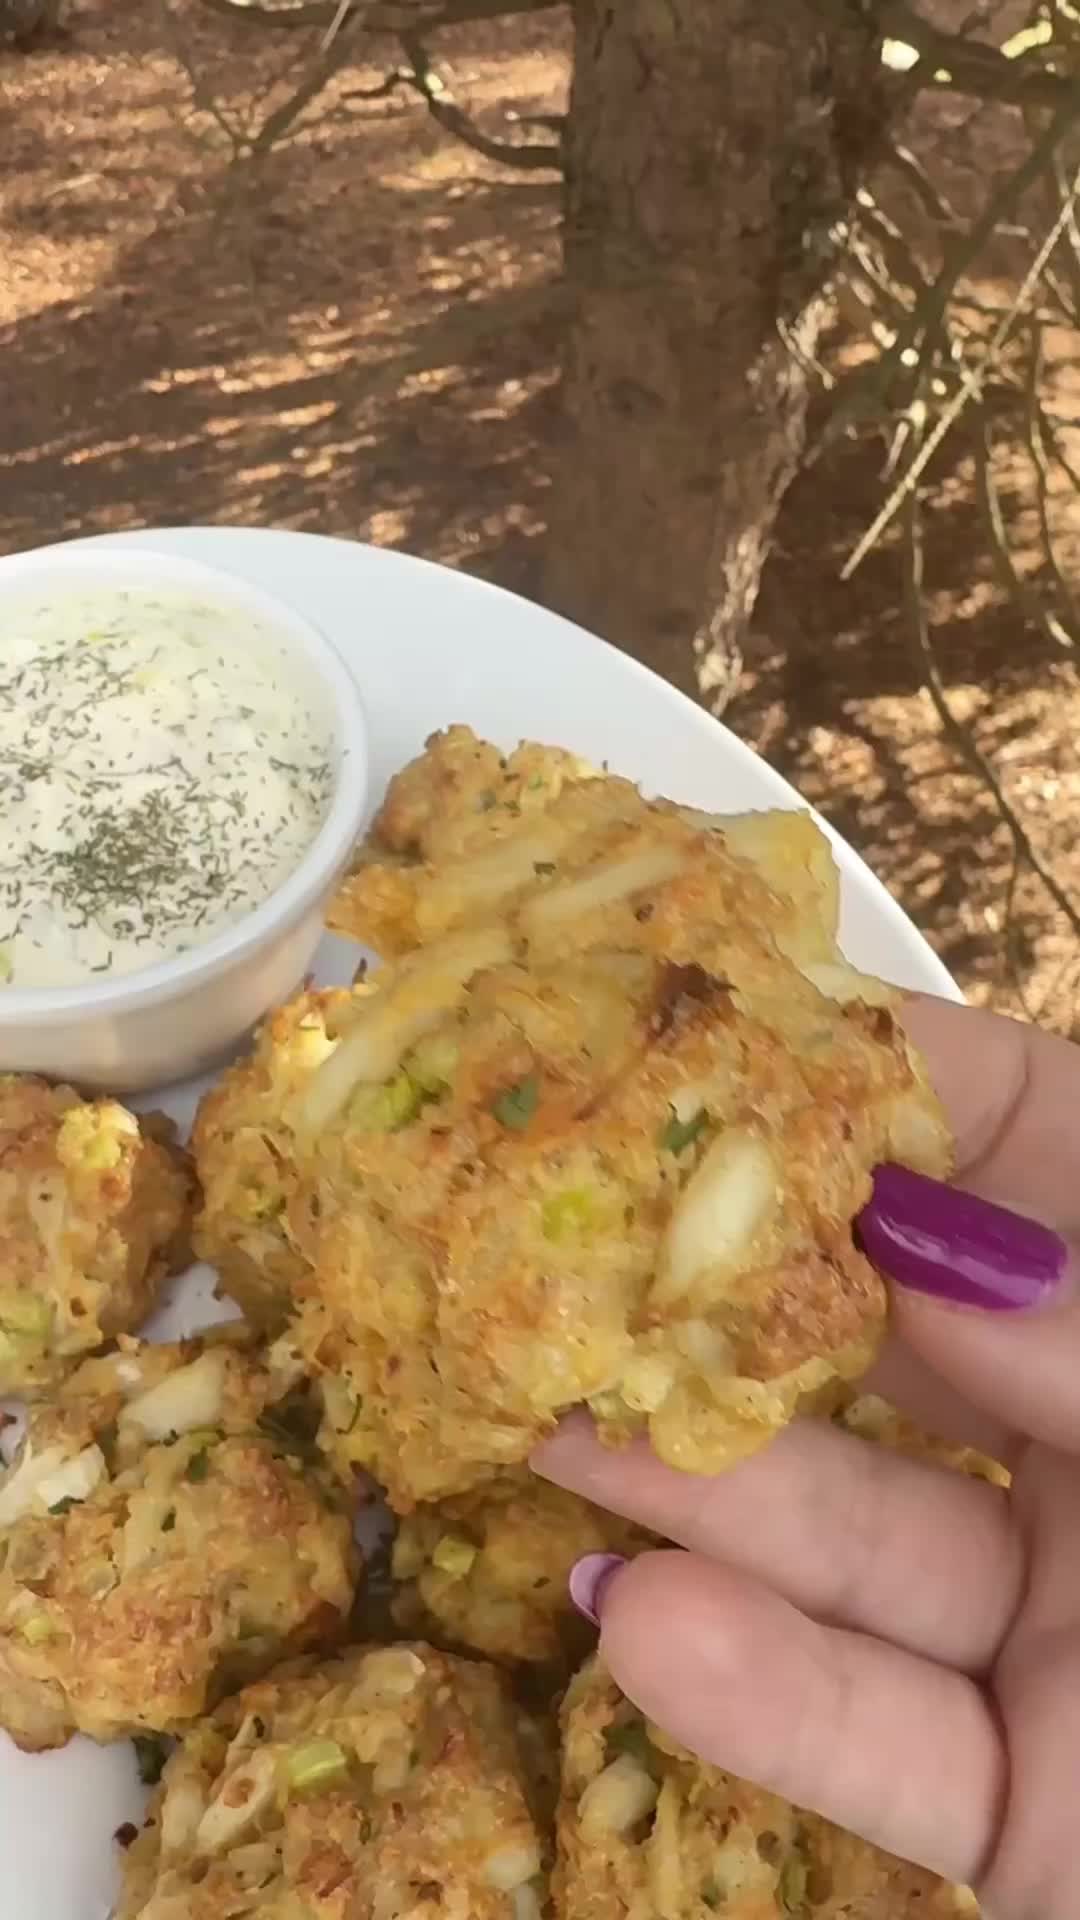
<point x="488" y="1571"/>
<point x="95" y="1212"/>
<point x="451" y="1369"/>
<point x="243" y="1150"/>
<point x="428" y="1813"/>
<point x="598" y="1136"/>
<point x="157" y="1572"/>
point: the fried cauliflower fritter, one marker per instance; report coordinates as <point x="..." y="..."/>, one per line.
<point x="489" y="1570"/>
<point x="389" y="1782"/>
<point x="244" y="1156"/>
<point x="464" y="832"/>
<point x="162" y="1538"/>
<point x="598" y="1135"/>
<point x="647" y="1832"/>
<point x="94" y="1213"/>
<point x="558" y="1161"/>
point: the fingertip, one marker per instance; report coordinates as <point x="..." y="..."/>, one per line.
<point x="562" y="1454"/>
<point x="667" y="1585"/>
<point x="948" y="1245"/>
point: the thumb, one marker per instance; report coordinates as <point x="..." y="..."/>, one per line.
<point x="988" y="1298"/>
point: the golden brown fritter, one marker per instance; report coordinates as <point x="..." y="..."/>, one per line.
<point x="561" y="1159"/>
<point x="647" y="1832"/>
<point x="464" y="831"/>
<point x="488" y="1571"/>
<point x="243" y="1153"/>
<point x="387" y="1783"/>
<point x="163" y="1536"/>
<point x="598" y="1139"/>
<point x="94" y="1213"/>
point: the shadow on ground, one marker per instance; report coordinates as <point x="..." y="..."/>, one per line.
<point x="361" y="337"/>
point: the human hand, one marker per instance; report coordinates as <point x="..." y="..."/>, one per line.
<point x="892" y="1645"/>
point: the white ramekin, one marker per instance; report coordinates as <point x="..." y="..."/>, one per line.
<point x="176" y="1019"/>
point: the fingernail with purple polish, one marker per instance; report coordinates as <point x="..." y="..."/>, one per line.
<point x="934" y="1239"/>
<point x="590" y="1578"/>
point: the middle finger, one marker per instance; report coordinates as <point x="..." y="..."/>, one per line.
<point x="851" y="1534"/>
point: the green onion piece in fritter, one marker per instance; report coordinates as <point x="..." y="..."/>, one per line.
<point x="198" y="1466"/>
<point x="65" y="1505"/>
<point x="793" y="1878"/>
<point x="433" y="1062"/>
<point x="565" y="1214"/>
<point x="36" y="1628"/>
<point x="385" y="1108"/>
<point x="678" y="1134"/>
<point x="25" y="1316"/>
<point x="514" y="1106"/>
<point x="319" y="1763"/>
<point x="453" y="1555"/>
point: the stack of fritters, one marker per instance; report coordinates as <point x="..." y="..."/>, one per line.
<point x="596" y="1133"/>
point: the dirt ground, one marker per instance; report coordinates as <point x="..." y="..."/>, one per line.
<point x="355" y="335"/>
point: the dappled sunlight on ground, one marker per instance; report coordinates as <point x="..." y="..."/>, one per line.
<point x="359" y="335"/>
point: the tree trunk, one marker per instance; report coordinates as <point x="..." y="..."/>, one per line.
<point x="712" y="145"/>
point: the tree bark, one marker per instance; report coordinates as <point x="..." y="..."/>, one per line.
<point x="711" y="147"/>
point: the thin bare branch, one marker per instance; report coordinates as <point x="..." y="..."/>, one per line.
<point x="1041" y="462"/>
<point x="864" y="395"/>
<point x="972" y="380"/>
<point x="951" y="725"/>
<point x="1027" y="598"/>
<point x="377" y="16"/>
<point x="957" y="63"/>
<point x="326" y="63"/>
<point x="443" y="108"/>
<point x="904" y="162"/>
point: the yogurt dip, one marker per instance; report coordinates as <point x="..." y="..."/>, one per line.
<point x="161" y="774"/>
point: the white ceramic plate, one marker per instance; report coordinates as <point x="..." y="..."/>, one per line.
<point x="427" y="647"/>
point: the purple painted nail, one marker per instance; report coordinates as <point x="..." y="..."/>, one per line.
<point x="937" y="1240"/>
<point x="590" y="1578"/>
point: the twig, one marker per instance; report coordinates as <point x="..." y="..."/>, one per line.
<point x="953" y="62"/>
<point x="864" y="394"/>
<point x="953" y="728"/>
<point x="903" y="161"/>
<point x="971" y="383"/>
<point x="379" y="16"/>
<point x="319" y="74"/>
<point x="202" y="96"/>
<point x="443" y="108"/>
<point x="1027" y="598"/>
<point x="1040" y="461"/>
<point x="336" y="24"/>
